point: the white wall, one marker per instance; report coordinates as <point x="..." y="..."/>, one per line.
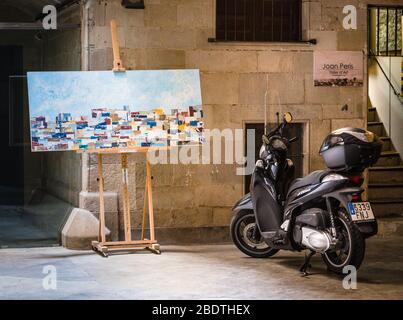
<point x="388" y="106"/>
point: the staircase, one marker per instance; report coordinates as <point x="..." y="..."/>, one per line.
<point x="385" y="186"/>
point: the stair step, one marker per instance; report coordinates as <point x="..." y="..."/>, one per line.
<point x="376" y="127"/>
<point x="378" y="191"/>
<point x="389" y="158"/>
<point x="386" y="174"/>
<point x="390" y="226"/>
<point x="372" y="115"/>
<point x="387" y="144"/>
<point x="386" y="208"/>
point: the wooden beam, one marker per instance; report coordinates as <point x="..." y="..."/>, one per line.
<point x="117" y="61"/>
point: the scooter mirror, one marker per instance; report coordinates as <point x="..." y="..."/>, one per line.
<point x="287" y="117"/>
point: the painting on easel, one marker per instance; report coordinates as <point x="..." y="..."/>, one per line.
<point x="105" y="109"/>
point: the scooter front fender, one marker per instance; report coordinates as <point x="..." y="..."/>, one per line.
<point x="267" y="210"/>
<point x="245" y="203"/>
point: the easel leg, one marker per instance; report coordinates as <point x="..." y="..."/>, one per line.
<point x="101" y="236"/>
<point x="126" y="200"/>
<point x="150" y="201"/>
<point x="143" y="224"/>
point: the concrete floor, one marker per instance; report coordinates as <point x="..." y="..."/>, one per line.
<point x="196" y="272"/>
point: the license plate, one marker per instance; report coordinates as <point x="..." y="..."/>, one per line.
<point x="360" y="211"/>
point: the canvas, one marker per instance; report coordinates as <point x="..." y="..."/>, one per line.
<point x="104" y="109"/>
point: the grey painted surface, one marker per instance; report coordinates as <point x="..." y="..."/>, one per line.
<point x="195" y="272"/>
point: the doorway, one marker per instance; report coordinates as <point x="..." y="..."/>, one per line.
<point x="12" y="178"/>
<point x="295" y="153"/>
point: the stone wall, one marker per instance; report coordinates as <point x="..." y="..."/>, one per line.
<point x="32" y="53"/>
<point x="172" y="34"/>
<point x="62" y="52"/>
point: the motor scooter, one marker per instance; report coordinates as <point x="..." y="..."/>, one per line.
<point x="322" y="212"/>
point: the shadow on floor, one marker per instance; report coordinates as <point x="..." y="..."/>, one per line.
<point x="34" y="225"/>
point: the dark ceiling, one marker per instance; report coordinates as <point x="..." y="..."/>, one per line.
<point x="33" y="8"/>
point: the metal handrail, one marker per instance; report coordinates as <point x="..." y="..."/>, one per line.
<point x="387" y="78"/>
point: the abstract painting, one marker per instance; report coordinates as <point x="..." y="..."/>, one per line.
<point x="104" y="109"/>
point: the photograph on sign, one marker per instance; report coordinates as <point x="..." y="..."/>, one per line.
<point x="105" y="109"/>
<point x="338" y="68"/>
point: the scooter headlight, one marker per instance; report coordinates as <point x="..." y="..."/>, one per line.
<point x="334" y="177"/>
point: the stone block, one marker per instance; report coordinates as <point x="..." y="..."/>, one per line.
<point x="131" y="18"/>
<point x="305" y="111"/>
<point x="164" y="218"/>
<point x="291" y="93"/>
<point x="134" y="58"/>
<point x="101" y="38"/>
<point x="218" y="195"/>
<point x="303" y="62"/>
<point x="352" y="40"/>
<point x="193" y="14"/>
<point x="335" y="111"/>
<point x="202" y="36"/>
<point x="174" y="197"/>
<point x="318" y="130"/>
<point x="177" y="38"/>
<point x="342" y="123"/>
<point x="160" y="15"/>
<point x="195" y="217"/>
<point x="135" y="38"/>
<point x="219" y="116"/>
<point x="332" y="19"/>
<point x="314" y="15"/>
<point x="124" y="17"/>
<point x="276" y="61"/>
<point x="252" y="88"/>
<point x="90" y="201"/>
<point x="320" y="95"/>
<point x="222" y="216"/>
<point x="162" y="175"/>
<point x="99" y="13"/>
<point x="164" y="59"/>
<point x="112" y="223"/>
<point x="101" y="59"/>
<point x="184" y="176"/>
<point x="80" y="229"/>
<point x="222" y="60"/>
<point x="326" y="40"/>
<point x="220" y="88"/>
<point x="356" y="99"/>
<point x="241" y="113"/>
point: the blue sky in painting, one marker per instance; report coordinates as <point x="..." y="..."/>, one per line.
<point x="77" y="93"/>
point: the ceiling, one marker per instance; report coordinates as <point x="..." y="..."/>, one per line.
<point x="33" y="8"/>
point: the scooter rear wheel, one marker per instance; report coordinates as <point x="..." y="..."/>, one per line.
<point x="351" y="250"/>
<point x="243" y="233"/>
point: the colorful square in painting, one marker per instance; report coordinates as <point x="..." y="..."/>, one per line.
<point x="104" y="109"/>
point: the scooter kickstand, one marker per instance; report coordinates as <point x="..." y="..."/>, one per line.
<point x="306" y="265"/>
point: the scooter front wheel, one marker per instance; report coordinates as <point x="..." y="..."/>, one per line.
<point x="247" y="238"/>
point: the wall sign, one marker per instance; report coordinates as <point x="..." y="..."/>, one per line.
<point x="338" y="68"/>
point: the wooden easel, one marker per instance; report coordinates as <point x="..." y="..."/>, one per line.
<point x="102" y="246"/>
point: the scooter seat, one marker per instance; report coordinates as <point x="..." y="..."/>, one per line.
<point x="313" y="178"/>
